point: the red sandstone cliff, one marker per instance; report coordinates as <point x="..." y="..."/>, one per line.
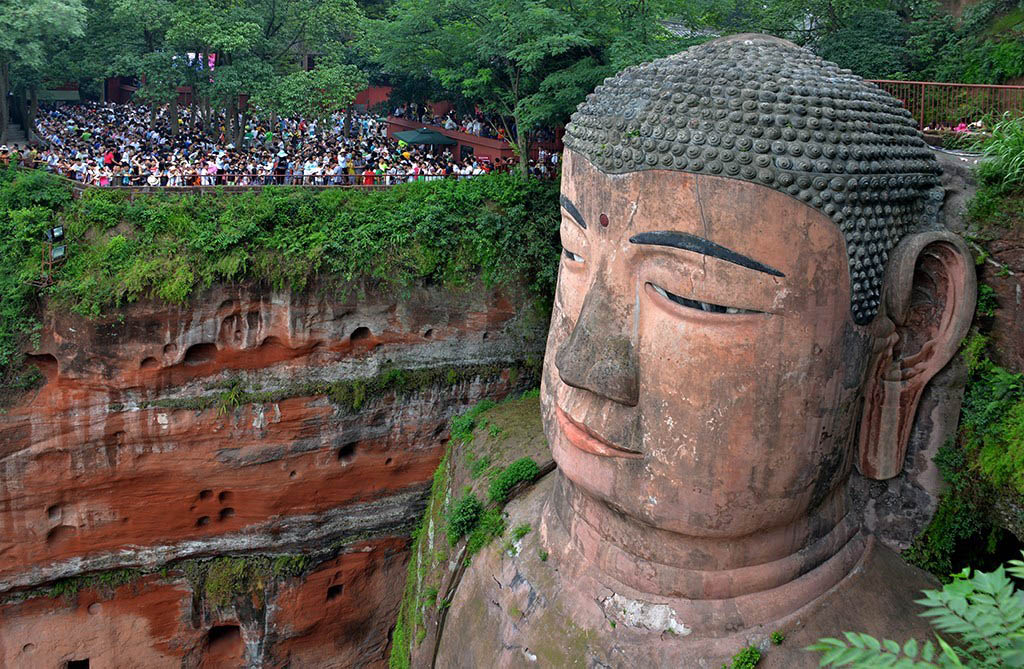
<point x="294" y="429"/>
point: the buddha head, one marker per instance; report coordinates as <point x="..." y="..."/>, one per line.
<point x="753" y="292"/>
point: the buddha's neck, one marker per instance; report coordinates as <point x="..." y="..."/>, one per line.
<point x="669" y="564"/>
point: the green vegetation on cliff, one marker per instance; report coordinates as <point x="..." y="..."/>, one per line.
<point x="457" y="524"/>
<point x="500" y="229"/>
<point x="984" y="467"/>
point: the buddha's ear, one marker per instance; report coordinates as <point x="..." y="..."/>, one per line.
<point x="928" y="298"/>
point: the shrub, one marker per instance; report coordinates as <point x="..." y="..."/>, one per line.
<point x="491" y="525"/>
<point x="523" y="469"/>
<point x="463" y="425"/>
<point x="982" y="612"/>
<point x="463" y="517"/>
<point x="746" y="658"/>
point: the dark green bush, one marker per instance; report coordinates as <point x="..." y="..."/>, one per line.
<point x="524" y="469"/>
<point x="746" y="658"/>
<point x="491" y="525"/>
<point x="463" y="517"/>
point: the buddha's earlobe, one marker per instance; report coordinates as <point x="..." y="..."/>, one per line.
<point x="929" y="297"/>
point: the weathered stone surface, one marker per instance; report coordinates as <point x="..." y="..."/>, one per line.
<point x="527" y="612"/>
<point x="723" y="351"/>
<point x="336" y="616"/>
<point x="517" y="433"/>
<point x="241" y="425"/>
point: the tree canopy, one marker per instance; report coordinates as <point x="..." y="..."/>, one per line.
<point x="527" y="63"/>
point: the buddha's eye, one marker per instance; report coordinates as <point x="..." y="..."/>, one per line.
<point x="697" y="304"/>
<point x="571" y="256"/>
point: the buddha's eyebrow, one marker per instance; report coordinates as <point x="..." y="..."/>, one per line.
<point x="688" y="242"/>
<point x="573" y="211"/>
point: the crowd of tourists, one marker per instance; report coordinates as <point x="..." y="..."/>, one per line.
<point x="108" y="144"/>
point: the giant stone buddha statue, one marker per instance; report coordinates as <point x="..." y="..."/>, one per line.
<point x="754" y="291"/>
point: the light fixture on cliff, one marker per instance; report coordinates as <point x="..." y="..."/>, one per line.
<point x="54" y="252"/>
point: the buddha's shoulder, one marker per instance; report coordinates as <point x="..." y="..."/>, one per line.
<point x="518" y="604"/>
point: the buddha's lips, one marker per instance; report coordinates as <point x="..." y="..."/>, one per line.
<point x="582" y="438"/>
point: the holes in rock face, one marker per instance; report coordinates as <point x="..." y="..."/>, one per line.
<point x="428" y="334"/>
<point x="487" y="336"/>
<point x="252" y="319"/>
<point x="335" y="591"/>
<point x="388" y="461"/>
<point x="227" y="304"/>
<point x="53" y="512"/>
<point x="272" y="341"/>
<point x="225" y="496"/>
<point x="359" y="334"/>
<point x="59" y="534"/>
<point x="149" y="363"/>
<point x="205" y="494"/>
<point x="77" y="664"/>
<point x="170" y="349"/>
<point x="226" y="513"/>
<point x="46" y="363"/>
<point x="28" y="648"/>
<point x="347" y="453"/>
<point x="94" y="608"/>
<point x="197" y="354"/>
<point x="203" y="521"/>
<point x="223" y="642"/>
<point x="292" y="474"/>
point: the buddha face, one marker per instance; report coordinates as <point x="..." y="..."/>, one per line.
<point x="702" y="371"/>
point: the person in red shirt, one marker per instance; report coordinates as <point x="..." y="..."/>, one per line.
<point x="368" y="177"/>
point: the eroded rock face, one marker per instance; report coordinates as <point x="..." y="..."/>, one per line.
<point x="249" y="423"/>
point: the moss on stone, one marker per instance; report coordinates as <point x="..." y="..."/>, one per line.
<point x="349" y="394"/>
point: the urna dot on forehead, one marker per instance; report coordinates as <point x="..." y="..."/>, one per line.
<point x="761" y="109"/>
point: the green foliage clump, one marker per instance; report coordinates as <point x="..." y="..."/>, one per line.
<point x="463" y="517"/>
<point x="981" y="612"/>
<point x="777" y="638"/>
<point x="351" y="394"/>
<point x="462" y="426"/>
<point x="992" y="425"/>
<point x="520" y="531"/>
<point x="491" y="525"/>
<point x="522" y="470"/>
<point x="227" y="577"/>
<point x="107" y="581"/>
<point x="1005" y="152"/>
<point x="987" y="303"/>
<point x="746" y="658"/>
<point x="500" y="229"/>
<point x="479" y="466"/>
<point x="973" y="351"/>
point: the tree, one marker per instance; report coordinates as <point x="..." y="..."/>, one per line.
<point x="528" y="62"/>
<point x="29" y="31"/>
<point x="313" y="94"/>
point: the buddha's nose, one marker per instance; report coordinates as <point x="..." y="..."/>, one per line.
<point x="599" y="354"/>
